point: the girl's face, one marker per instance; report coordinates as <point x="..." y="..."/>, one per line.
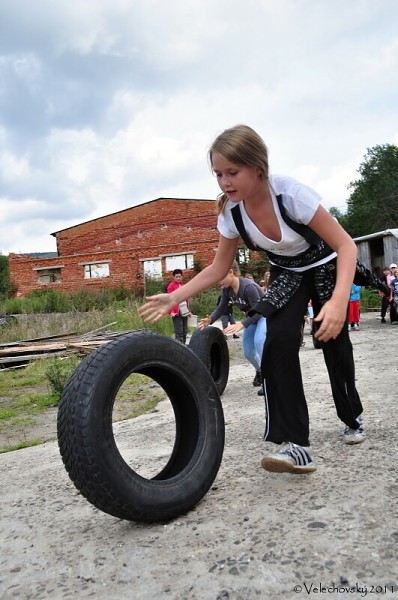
<point x="238" y="182"/>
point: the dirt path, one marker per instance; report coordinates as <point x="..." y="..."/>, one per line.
<point x="255" y="535"/>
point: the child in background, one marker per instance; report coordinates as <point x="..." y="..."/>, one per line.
<point x="180" y="312"/>
<point x="394" y="288"/>
<point x="385" y="300"/>
<point x="354" y="308"/>
<point x="264" y="283"/>
<point x="309" y="317"/>
<point x="243" y="293"/>
<point x="310" y="313"/>
<point x="393" y="304"/>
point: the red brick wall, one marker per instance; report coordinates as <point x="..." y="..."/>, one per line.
<point x="154" y="223"/>
<point x="161" y="227"/>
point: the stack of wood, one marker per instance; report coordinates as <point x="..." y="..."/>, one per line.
<point x="18" y="354"/>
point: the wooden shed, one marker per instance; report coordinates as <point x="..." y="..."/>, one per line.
<point x="378" y="250"/>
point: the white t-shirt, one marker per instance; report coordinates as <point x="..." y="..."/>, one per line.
<point x="301" y="203"/>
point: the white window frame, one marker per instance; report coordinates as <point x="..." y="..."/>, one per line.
<point x="96" y="270"/>
<point x="152" y="268"/>
<point x="243" y="255"/>
<point x="48" y="275"/>
<point x="181" y="261"/>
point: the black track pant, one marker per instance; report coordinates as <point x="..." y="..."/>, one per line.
<point x="385" y="303"/>
<point x="180" y="325"/>
<point x="285" y="404"/>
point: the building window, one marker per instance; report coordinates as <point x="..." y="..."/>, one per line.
<point x="47" y="276"/>
<point x="179" y="261"/>
<point x="153" y="268"/>
<point x="94" y="270"/>
<point x="243" y="255"/>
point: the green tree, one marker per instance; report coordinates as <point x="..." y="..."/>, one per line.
<point x="341" y="217"/>
<point x="5" y="285"/>
<point x="373" y="203"/>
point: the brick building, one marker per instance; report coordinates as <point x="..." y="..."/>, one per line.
<point x="123" y="249"/>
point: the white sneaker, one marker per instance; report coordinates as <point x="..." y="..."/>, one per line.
<point x="290" y="458"/>
<point x="354" y="436"/>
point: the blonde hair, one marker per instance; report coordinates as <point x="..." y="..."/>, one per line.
<point x="242" y="146"/>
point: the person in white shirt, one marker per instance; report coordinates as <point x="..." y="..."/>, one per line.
<point x="318" y="264"/>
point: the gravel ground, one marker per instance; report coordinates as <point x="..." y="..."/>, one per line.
<point x="255" y="535"/>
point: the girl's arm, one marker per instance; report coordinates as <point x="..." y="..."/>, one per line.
<point x="159" y="305"/>
<point x="333" y="313"/>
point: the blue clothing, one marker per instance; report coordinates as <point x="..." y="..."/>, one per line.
<point x="253" y="342"/>
<point x="355" y="292"/>
<point x="394" y="285"/>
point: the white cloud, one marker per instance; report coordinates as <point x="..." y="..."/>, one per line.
<point x="108" y="103"/>
<point x="385" y="59"/>
<point x="12" y="167"/>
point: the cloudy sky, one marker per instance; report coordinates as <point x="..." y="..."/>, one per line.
<point x="105" y="104"/>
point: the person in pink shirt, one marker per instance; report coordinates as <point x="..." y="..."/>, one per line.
<point x="385" y="300"/>
<point x="393" y="283"/>
<point x="180" y="312"/>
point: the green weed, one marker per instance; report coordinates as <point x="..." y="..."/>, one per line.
<point x="8" y="413"/>
<point x="58" y="371"/>
<point x="21" y="445"/>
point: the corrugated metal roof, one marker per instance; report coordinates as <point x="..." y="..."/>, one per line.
<point x="362" y="238"/>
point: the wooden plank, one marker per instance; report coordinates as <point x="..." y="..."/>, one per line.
<point x="82" y="344"/>
<point x="59" y="336"/>
<point x="27" y="350"/>
<point x="27" y="357"/>
<point x="39" y="348"/>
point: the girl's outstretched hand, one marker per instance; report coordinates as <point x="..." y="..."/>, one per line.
<point x="156" y="307"/>
<point x="205" y="322"/>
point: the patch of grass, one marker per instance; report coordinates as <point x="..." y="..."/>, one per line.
<point x="25" y="394"/>
<point x="137" y="396"/>
<point x="8" y="413"/>
<point x="33" y="375"/>
<point x="18" y="421"/>
<point x="32" y="404"/>
<point x="38" y="403"/>
<point x="142" y="408"/>
<point x="370" y="299"/>
<point x="53" y="313"/>
<point x="20" y="446"/>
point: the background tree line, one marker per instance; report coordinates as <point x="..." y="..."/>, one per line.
<point x="373" y="203"/>
<point x="5" y="285"/>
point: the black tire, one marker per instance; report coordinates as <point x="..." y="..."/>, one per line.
<point x="210" y="346"/>
<point x="86" y="438"/>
